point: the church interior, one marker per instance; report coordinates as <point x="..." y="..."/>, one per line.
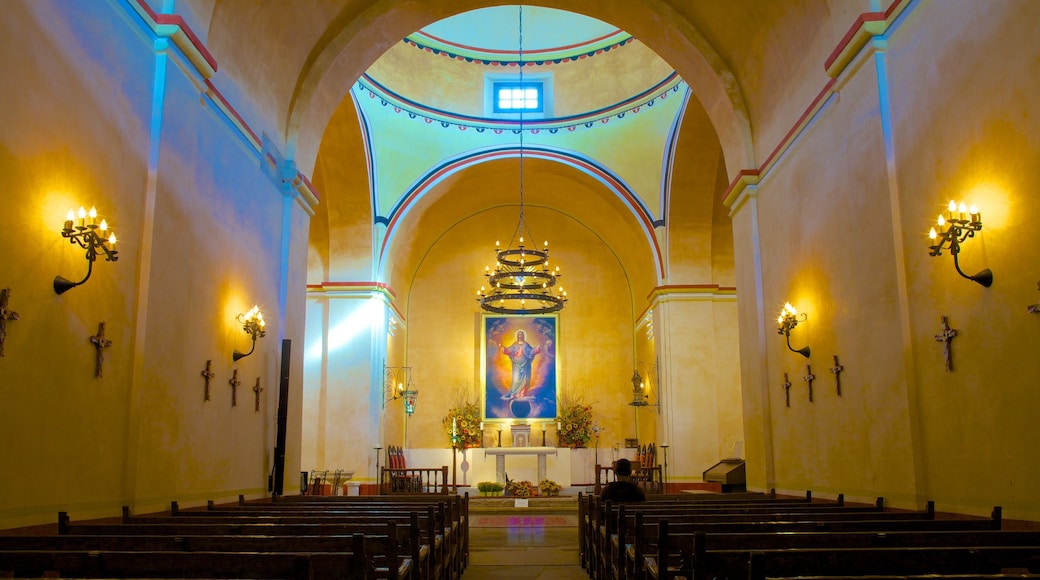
<point x="738" y="195"/>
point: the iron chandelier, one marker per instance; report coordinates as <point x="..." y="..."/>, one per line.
<point x="521" y="273"/>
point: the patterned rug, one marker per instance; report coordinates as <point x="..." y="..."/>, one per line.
<point x="525" y="521"/>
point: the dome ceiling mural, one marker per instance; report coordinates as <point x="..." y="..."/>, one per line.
<point x="612" y="107"/>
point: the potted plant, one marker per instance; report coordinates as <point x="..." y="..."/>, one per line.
<point x="549" y="488"/>
<point x="518" y="488"/>
<point x="463" y="420"/>
<point x="487" y="488"/>
<point x="575" y="424"/>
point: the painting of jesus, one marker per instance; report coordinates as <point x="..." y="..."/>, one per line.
<point x="520" y="367"/>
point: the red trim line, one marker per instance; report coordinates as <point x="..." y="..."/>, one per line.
<point x="740" y="177"/>
<point x="849" y="36"/>
<point x="310" y="185"/>
<point x="448" y="169"/>
<point x="853" y="30"/>
<point x="355" y="285"/>
<point x="178" y="21"/>
<point x="526" y="52"/>
<point x="220" y="97"/>
<point x="825" y="92"/>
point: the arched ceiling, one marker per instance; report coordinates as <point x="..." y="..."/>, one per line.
<point x="417" y="127"/>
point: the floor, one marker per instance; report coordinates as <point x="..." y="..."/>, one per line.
<point x="524" y="544"/>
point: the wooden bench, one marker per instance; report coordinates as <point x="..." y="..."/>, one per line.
<point x="457" y="513"/>
<point x="694" y="544"/>
<point x="590" y="508"/>
<point x="161" y="564"/>
<point x="401" y="551"/>
<point x="690" y="539"/>
<point x="610" y="530"/>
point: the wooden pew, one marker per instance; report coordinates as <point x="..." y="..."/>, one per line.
<point x="590" y="514"/>
<point x="398" y="554"/>
<point x="152" y="564"/>
<point x="833" y="540"/>
<point x="692" y="538"/>
<point x="610" y="529"/>
<point x="458" y="511"/>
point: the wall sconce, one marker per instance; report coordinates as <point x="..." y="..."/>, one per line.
<point x="90" y="236"/>
<point x="397" y="384"/>
<point x="411" y="397"/>
<point x="253" y="324"/>
<point x="640" y="390"/>
<point x="961" y="224"/>
<point x="786" y="322"/>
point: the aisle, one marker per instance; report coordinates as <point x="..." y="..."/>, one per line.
<point x="522" y="545"/>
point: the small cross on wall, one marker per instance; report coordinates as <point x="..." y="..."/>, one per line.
<point x="787" y="390"/>
<point x="836" y="371"/>
<point x="945" y="337"/>
<point x="100" y="344"/>
<point x="208" y="374"/>
<point x="809" y="378"/>
<point x="257" y="389"/>
<point x="234" y="382"/>
<point x="5" y="315"/>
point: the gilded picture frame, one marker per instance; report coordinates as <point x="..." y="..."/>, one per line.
<point x="519" y="367"/>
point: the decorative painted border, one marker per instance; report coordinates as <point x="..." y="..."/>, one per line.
<point x="174" y="27"/>
<point x="415" y="110"/>
<point x="470" y="54"/>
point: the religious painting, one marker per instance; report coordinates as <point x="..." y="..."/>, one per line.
<point x="520" y="367"/>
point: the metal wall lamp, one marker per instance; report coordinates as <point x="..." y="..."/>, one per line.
<point x="397" y="384"/>
<point x="961" y="223"/>
<point x="788" y="319"/>
<point x="91" y="236"/>
<point x="253" y="325"/>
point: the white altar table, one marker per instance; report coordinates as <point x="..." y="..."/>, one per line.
<point x="500" y="454"/>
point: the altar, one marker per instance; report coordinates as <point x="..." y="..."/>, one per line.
<point x="500" y="454"/>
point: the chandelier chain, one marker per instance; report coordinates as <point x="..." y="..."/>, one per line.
<point x="522" y="272"/>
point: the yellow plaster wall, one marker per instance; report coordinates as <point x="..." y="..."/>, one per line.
<point x="200" y="242"/>
<point x="459" y="85"/>
<point x="837" y="233"/>
<point x="594" y="338"/>
<point x="973" y="137"/>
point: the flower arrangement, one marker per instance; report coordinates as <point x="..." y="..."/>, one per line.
<point x="549" y="487"/>
<point x="490" y="488"/>
<point x="575" y="424"/>
<point x="518" y="488"/>
<point x="463" y="421"/>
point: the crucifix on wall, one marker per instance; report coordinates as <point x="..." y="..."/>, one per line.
<point x="234" y="382"/>
<point x="809" y="378"/>
<point x="257" y="389"/>
<point x="5" y="315"/>
<point x="207" y="374"/>
<point x="945" y="337"/>
<point x="787" y="391"/>
<point x="836" y="371"/>
<point x="100" y="344"/>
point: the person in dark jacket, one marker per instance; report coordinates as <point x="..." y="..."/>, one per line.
<point x="622" y="490"/>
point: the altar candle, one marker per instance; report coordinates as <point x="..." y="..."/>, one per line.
<point x="454" y="428"/>
<point x="559" y="425"/>
<point x="481" y="425"/>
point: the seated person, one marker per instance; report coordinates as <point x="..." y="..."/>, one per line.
<point x="623" y="489"/>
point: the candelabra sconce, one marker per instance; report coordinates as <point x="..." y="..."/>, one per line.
<point x="960" y="223"/>
<point x="788" y="319"/>
<point x="253" y="325"/>
<point x="92" y="236"/>
<point x="640" y="392"/>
